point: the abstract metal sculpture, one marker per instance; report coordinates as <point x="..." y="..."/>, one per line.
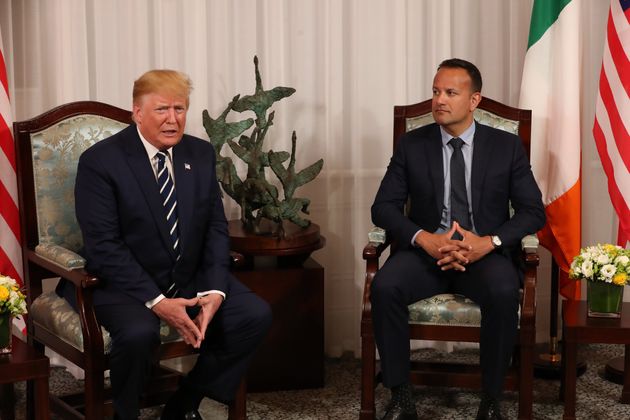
<point x="257" y="197"/>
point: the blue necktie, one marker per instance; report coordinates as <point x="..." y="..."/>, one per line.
<point x="459" y="197"/>
<point x="169" y="200"/>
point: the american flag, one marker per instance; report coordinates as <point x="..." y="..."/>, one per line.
<point x="612" y="114"/>
<point x="10" y="252"/>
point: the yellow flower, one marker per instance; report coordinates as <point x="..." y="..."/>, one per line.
<point x="620" y="279"/>
<point x="4" y="294"/>
<point x="611" y="249"/>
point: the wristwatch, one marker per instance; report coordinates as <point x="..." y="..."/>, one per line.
<point x="496" y="241"/>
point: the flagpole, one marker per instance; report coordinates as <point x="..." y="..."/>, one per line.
<point x="548" y="356"/>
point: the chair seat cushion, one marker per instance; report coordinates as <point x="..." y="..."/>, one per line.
<point x="445" y="309"/>
<point x="56" y="315"/>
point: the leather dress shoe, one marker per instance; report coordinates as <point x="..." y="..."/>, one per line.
<point x="489" y="409"/>
<point x="189" y="415"/>
<point x="395" y="412"/>
<point x="192" y="415"/>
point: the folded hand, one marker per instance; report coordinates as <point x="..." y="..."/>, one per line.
<point x="173" y="312"/>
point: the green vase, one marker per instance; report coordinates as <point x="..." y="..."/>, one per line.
<point x="5" y="333"/>
<point x="604" y="299"/>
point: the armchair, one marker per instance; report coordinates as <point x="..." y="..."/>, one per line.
<point x="432" y="318"/>
<point x="48" y="149"/>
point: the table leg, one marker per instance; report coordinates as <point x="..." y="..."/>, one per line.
<point x="42" y="410"/>
<point x="7" y="402"/>
<point x="625" y="392"/>
<point x="570" y="359"/>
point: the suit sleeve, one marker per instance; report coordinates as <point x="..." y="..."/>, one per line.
<point x="388" y="208"/>
<point x="525" y="199"/>
<point x="97" y="213"/>
<point x="214" y="273"/>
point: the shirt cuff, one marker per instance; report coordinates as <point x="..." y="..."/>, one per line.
<point x="207" y="292"/>
<point x="413" y="239"/>
<point x="151" y="303"/>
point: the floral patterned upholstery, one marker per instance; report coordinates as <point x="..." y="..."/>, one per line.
<point x="57" y="316"/>
<point x="481" y="115"/>
<point x="445" y="309"/>
<point x="55" y="151"/>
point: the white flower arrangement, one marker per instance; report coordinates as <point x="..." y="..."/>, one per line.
<point x="607" y="263"/>
<point x="12" y="300"/>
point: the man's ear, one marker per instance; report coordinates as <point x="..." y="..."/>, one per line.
<point x="136" y="113"/>
<point x="475" y="98"/>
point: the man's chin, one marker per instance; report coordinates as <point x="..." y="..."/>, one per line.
<point x="170" y="140"/>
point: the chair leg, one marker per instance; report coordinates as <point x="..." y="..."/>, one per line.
<point x="368" y="372"/>
<point x="237" y="409"/>
<point x="94" y="394"/>
<point x="526" y="385"/>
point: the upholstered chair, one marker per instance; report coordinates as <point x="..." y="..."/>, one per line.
<point x="449" y="317"/>
<point x="48" y="149"/>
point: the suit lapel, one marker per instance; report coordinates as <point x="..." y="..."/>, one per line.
<point x="141" y="168"/>
<point x="480" y="161"/>
<point x="185" y="187"/>
<point x="436" y="167"/>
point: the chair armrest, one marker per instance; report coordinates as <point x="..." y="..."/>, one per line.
<point x="78" y="276"/>
<point x="378" y="242"/>
<point x="61" y="256"/>
<point x="529" y="244"/>
<point x="378" y="235"/>
<point x="237" y="260"/>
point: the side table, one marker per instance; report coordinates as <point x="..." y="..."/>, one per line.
<point x="579" y="328"/>
<point x="292" y="354"/>
<point x="24" y="363"/>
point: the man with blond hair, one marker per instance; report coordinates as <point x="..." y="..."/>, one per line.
<point x="150" y="211"/>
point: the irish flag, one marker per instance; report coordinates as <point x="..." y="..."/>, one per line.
<point x="551" y="89"/>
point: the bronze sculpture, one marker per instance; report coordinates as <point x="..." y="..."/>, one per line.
<point x="257" y="197"/>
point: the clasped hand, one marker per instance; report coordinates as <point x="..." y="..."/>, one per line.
<point x="454" y="254"/>
<point x="173" y="312"/>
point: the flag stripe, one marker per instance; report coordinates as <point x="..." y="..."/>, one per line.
<point x="4" y="80"/>
<point x="9" y="269"/>
<point x="612" y="113"/>
<point x="614" y="51"/>
<point x="544" y="14"/>
<point x="9" y="211"/>
<point x="618" y="130"/>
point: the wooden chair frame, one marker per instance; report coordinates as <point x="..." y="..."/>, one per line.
<point x="95" y="402"/>
<point x="520" y="375"/>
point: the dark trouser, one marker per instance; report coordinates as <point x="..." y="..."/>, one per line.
<point x="231" y="339"/>
<point x="411" y="275"/>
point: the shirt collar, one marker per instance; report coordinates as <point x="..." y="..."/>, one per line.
<point x="151" y="149"/>
<point x="467" y="136"/>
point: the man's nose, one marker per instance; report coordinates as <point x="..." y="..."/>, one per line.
<point x="170" y="114"/>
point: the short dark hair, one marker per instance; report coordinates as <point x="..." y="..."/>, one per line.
<point x="471" y="69"/>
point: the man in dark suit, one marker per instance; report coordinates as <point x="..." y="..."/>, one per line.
<point x="460" y="177"/>
<point x="154" y="230"/>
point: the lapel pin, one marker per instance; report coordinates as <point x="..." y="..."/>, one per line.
<point x="187" y="166"/>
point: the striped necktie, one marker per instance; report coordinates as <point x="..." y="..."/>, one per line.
<point x="459" y="196"/>
<point x="169" y="200"/>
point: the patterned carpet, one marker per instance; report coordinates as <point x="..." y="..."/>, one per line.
<point x="597" y="398"/>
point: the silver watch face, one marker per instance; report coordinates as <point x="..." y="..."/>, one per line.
<point x="496" y="241"/>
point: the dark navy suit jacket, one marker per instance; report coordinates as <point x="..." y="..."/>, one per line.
<point x="500" y="175"/>
<point x="123" y="221"/>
